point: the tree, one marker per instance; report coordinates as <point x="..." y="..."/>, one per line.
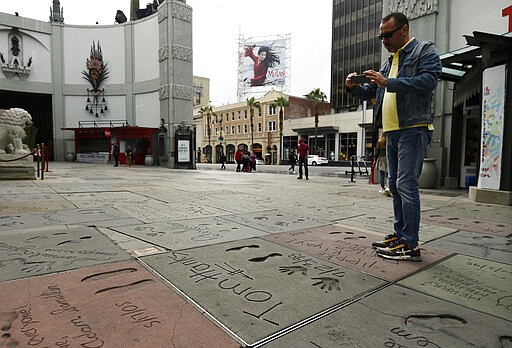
<point x="208" y="112"/>
<point x="281" y="103"/>
<point x="253" y="104"/>
<point x="316" y="95"/>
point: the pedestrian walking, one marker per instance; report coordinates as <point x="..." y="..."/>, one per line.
<point x="381" y="164"/>
<point x="403" y="90"/>
<point x="292" y="159"/>
<point x="222" y="160"/>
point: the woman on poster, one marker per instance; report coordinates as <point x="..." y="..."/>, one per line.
<point x="264" y="60"/>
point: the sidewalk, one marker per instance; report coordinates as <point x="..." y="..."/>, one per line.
<point x="96" y="256"/>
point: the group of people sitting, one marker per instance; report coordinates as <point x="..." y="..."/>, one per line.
<point x="245" y="161"/>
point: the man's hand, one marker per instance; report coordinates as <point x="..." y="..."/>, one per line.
<point x="348" y="81"/>
<point x="376" y="77"/>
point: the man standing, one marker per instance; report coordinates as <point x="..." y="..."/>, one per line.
<point x="238" y="158"/>
<point x="115" y="153"/>
<point x="302" y="151"/>
<point x="403" y="90"/>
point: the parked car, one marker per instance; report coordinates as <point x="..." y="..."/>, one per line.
<point x="315" y="160"/>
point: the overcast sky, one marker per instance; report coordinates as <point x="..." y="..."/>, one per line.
<point x="217" y="25"/>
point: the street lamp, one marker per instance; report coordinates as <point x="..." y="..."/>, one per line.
<point x="316" y="133"/>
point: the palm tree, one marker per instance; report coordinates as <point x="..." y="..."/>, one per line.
<point x="253" y="104"/>
<point x="208" y="112"/>
<point x="317" y="95"/>
<point x="281" y="103"/>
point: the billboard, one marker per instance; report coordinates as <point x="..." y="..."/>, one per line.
<point x="264" y="64"/>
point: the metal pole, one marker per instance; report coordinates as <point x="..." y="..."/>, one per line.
<point x="252" y="131"/>
<point x="42" y="163"/>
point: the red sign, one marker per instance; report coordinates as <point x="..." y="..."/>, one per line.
<point x="508" y="12"/>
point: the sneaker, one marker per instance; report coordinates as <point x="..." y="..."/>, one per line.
<point x="381" y="190"/>
<point x="387" y="192"/>
<point x="299" y="178"/>
<point x="400" y="251"/>
<point x="388" y="240"/>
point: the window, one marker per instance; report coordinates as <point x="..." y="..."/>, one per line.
<point x="348" y="146"/>
<point x="239" y="129"/>
<point x="259" y="112"/>
<point x="227" y="117"/>
<point x="271" y="110"/>
<point x="245" y="114"/>
<point x="259" y="126"/>
<point x="227" y="130"/>
<point x="239" y="114"/>
<point x="272" y="126"/>
<point x="245" y="128"/>
<point x="233" y="116"/>
<point x="232" y="129"/>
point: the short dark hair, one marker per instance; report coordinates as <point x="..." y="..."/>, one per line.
<point x="400" y="19"/>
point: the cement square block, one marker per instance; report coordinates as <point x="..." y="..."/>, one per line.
<point x="352" y="249"/>
<point x="257" y="288"/>
<point x="86" y="200"/>
<point x="277" y="220"/>
<point x="398" y="317"/>
<point x="474" y="224"/>
<point x="185" y="234"/>
<point x="469" y="281"/>
<point x="485" y="246"/>
<point x="34" y="253"/>
<point x="91" y="216"/>
<point x="113" y="305"/>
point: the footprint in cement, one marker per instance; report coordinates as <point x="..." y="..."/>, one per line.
<point x="264" y="258"/>
<point x="431" y="322"/>
<point x="75" y="240"/>
<point x="506" y="341"/>
<point x="243" y="247"/>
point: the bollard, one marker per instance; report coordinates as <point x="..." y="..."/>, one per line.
<point x="352" y="172"/>
<point x="42" y="163"/>
<point x="37" y="159"/>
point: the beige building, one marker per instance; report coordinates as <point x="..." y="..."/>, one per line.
<point x="230" y="128"/>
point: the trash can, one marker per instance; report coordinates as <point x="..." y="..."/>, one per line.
<point x="470" y="181"/>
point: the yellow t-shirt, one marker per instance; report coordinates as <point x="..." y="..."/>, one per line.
<point x="389" y="109"/>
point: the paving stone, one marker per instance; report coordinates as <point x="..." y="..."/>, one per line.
<point x="113" y="305"/>
<point x="37" y="202"/>
<point x="82" y="187"/>
<point x="90" y="216"/>
<point x="483" y="211"/>
<point x="98" y="199"/>
<point x="418" y="321"/>
<point x="479" y="245"/>
<point x="22" y="187"/>
<point x="277" y="220"/>
<point x="474" y="224"/>
<point x="190" y="233"/>
<point x="350" y="248"/>
<point x="158" y="211"/>
<point x="26" y="254"/>
<point x="472" y="282"/>
<point x="257" y="288"/>
<point x="384" y="225"/>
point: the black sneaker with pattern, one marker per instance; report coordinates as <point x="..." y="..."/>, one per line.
<point x="388" y="240"/>
<point x="400" y="251"/>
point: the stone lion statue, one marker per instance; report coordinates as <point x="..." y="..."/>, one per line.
<point x="12" y="132"/>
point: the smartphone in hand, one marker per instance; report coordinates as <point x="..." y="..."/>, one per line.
<point x="361" y="79"/>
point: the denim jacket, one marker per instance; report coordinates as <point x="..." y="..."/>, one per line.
<point x="419" y="67"/>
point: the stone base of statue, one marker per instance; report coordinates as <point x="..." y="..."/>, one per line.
<point x="17" y="167"/>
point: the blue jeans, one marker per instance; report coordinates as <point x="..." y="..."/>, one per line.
<point x="405" y="150"/>
<point x="303" y="161"/>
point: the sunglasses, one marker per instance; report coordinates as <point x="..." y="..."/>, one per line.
<point x="388" y="34"/>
